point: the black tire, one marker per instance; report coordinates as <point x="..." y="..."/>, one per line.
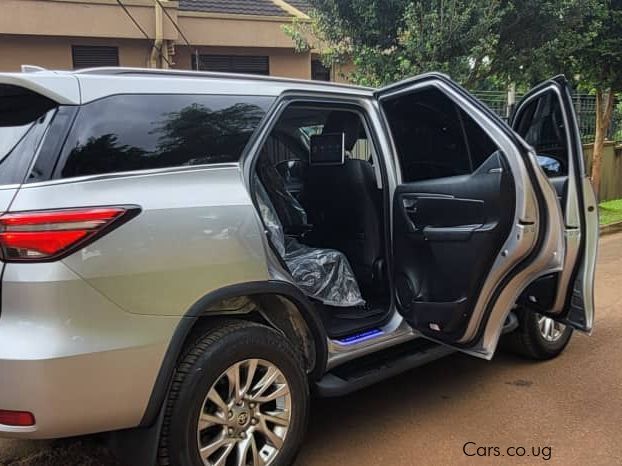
<point x="527" y="340"/>
<point x="204" y="362"/>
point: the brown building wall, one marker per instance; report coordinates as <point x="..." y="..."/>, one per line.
<point x="284" y="63"/>
<point x="290" y="64"/>
<point x="41" y="32"/>
<point x="55" y="52"/>
<point x="94" y="18"/>
<point x="234" y="31"/>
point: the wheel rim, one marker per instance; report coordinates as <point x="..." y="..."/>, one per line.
<point x="245" y="416"/>
<point x="550" y="329"/>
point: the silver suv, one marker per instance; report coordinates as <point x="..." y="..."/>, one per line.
<point x="187" y="256"/>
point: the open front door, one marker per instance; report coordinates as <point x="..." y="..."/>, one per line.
<point x="475" y="220"/>
<point x="546" y="119"/>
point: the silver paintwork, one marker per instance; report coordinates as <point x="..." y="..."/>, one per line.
<point x="249" y="401"/>
<point x="198" y="226"/>
<point x="61" y="87"/>
<point x="95" y="86"/>
<point x="68" y="354"/>
<point x="99" y="322"/>
<point x="572" y="221"/>
<point x="587" y="270"/>
<point x="548" y="260"/>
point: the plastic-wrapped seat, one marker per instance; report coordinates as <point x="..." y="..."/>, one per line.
<point x="323" y="274"/>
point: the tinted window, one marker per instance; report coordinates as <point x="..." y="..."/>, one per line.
<point x="434" y="138"/>
<point x="22" y="122"/>
<point x="137" y="132"/>
<point x="541" y="124"/>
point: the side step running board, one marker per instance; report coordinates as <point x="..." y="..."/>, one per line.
<point x="351" y="377"/>
<point x="376" y="367"/>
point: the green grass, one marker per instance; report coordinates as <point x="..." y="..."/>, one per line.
<point x="610" y="212"/>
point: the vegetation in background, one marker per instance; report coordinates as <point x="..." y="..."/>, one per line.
<point x="483" y="44"/>
<point x="598" y="64"/>
<point x="611" y="212"/>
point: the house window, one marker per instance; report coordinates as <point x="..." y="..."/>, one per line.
<point x="319" y="72"/>
<point x="89" y="56"/>
<point x="247" y="64"/>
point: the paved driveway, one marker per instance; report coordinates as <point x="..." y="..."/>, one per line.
<point x="568" y="410"/>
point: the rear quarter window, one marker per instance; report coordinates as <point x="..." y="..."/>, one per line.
<point x="24" y="115"/>
<point x="137" y="132"/>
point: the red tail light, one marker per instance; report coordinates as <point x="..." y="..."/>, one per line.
<point x="16" y="418"/>
<point x="49" y="235"/>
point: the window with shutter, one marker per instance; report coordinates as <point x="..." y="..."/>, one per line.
<point x="89" y="56"/>
<point x="247" y="64"/>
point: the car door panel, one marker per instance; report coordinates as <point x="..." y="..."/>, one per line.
<point x="466" y="246"/>
<point x="455" y="227"/>
<point x="545" y="117"/>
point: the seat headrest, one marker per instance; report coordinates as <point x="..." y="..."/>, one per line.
<point x="348" y="123"/>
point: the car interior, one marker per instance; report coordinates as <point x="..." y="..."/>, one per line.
<point x="542" y="125"/>
<point x="317" y="175"/>
<point x="320" y="193"/>
<point x="453" y="210"/>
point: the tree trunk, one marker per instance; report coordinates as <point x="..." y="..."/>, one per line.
<point x="604" y="111"/>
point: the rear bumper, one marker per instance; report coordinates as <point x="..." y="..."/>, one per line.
<point x="80" y="394"/>
<point x="71" y="357"/>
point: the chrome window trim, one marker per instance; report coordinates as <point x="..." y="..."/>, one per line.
<point x="132" y="174"/>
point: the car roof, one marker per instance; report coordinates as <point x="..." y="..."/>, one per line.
<point x="83" y="86"/>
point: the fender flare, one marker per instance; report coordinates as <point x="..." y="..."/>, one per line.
<point x="197" y="310"/>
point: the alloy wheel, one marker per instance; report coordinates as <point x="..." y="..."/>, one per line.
<point x="245" y="416"/>
<point x="550" y="329"/>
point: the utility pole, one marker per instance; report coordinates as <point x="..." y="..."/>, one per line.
<point x="159" y="53"/>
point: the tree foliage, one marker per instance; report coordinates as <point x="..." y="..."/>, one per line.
<point x="476" y="42"/>
<point x="387" y="40"/>
<point x="479" y="43"/>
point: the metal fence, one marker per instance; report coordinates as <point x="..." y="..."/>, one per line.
<point x="585" y="107"/>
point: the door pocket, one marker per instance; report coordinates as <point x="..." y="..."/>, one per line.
<point x="444" y="317"/>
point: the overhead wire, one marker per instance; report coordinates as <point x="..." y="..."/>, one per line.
<point x="159" y="49"/>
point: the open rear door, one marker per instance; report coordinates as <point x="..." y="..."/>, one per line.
<point x="546" y="119"/>
<point x="475" y="221"/>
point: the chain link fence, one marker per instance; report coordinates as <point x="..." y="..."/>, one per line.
<point x="585" y="107"/>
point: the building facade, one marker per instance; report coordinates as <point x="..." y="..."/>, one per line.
<point x="244" y="36"/>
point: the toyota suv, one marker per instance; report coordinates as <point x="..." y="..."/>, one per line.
<point x="186" y="257"/>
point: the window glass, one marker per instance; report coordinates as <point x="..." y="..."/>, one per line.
<point x="434" y="138"/>
<point x="22" y="121"/>
<point x="137" y="132"/>
<point x="541" y="124"/>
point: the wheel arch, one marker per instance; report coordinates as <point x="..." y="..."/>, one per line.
<point x="278" y="304"/>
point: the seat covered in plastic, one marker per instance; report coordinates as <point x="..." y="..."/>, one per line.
<point x="323" y="274"/>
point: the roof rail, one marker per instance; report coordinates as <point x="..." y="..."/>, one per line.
<point x="113" y="71"/>
<point x="32" y="68"/>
